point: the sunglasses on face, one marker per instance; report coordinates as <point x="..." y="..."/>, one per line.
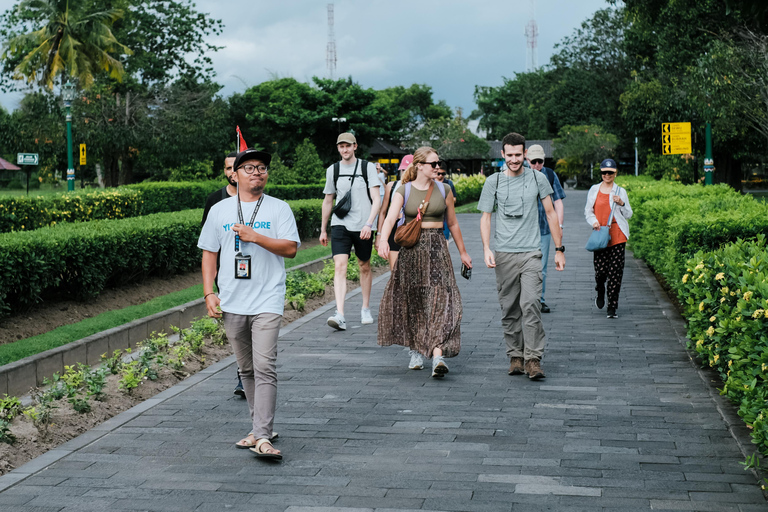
<point x="607" y="172"/>
<point x="434" y="165"/>
<point x="441" y="174"/>
<point x="537" y="161"/>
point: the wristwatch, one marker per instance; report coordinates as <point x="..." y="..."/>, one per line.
<point x="561" y="248"/>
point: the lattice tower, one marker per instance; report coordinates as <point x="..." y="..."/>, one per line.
<point x="330" y="51"/>
<point x="531" y="36"/>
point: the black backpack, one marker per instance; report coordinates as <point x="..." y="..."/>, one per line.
<point x="364" y="169"/>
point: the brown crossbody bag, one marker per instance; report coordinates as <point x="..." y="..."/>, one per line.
<point x="408" y="234"/>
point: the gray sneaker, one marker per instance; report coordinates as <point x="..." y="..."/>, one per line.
<point x="417" y="361"/>
<point x="365" y="316"/>
<point x="337" y="322"/>
<point x="439" y="368"/>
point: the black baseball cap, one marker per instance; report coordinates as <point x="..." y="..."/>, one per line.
<point x="252" y="154"/>
<point x="608" y="163"/>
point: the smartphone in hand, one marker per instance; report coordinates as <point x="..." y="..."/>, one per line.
<point x="466" y="272"/>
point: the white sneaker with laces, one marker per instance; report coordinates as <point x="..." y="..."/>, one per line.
<point x="417" y="361"/>
<point x="337" y="322"/>
<point x="365" y="316"/>
<point x="439" y="368"/>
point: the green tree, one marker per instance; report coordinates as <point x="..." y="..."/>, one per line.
<point x="587" y="144"/>
<point x="66" y="39"/>
<point x="281" y="174"/>
<point x="451" y="139"/>
<point x="307" y="164"/>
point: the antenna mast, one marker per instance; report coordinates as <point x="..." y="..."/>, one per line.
<point x="531" y="36"/>
<point x="330" y="51"/>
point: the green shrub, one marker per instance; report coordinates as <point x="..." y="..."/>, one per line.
<point x="29" y="213"/>
<point x="670" y="167"/>
<point x="15" y="184"/>
<point x="78" y="260"/>
<point x="468" y="188"/>
<point x="725" y="296"/>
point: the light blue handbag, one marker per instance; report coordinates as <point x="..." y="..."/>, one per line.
<point x="599" y="239"/>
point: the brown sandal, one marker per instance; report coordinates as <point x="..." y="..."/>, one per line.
<point x="261" y="451"/>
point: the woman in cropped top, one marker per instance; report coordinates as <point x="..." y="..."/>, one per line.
<point x="421" y="307"/>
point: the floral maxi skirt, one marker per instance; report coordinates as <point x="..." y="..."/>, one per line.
<point x="421" y="307"/>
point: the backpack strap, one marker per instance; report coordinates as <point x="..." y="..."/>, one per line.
<point x="364" y="169"/>
<point x="336" y="172"/>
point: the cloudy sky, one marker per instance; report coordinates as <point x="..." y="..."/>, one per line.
<point x="451" y="45"/>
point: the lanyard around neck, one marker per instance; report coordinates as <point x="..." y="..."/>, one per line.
<point x="240" y="215"/>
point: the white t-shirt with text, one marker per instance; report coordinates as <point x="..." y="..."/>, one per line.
<point x="264" y="292"/>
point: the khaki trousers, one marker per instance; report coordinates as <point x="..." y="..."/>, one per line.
<point x="518" y="281"/>
<point x="254" y="340"/>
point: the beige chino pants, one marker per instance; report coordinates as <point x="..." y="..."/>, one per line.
<point x="254" y="340"/>
<point x="518" y="282"/>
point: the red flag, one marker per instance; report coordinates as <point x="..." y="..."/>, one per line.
<point x="242" y="146"/>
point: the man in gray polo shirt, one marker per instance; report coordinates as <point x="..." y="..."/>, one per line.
<point x="516" y="193"/>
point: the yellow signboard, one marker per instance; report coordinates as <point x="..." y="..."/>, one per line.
<point x="676" y="138"/>
<point x="82" y="154"/>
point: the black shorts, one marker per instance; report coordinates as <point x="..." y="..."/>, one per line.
<point x="343" y="240"/>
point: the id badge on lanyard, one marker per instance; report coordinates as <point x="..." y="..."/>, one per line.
<point x="243" y="261"/>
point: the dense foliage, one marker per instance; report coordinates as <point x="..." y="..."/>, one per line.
<point x="709" y="244"/>
<point x="79" y="260"/>
<point x="33" y="212"/>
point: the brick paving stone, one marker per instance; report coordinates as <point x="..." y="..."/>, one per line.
<point x="623" y="421"/>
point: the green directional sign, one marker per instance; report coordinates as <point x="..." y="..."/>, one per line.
<point x="27" y="158"/>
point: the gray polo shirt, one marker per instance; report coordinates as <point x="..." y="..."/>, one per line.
<point x="361" y="205"/>
<point x="517" y="215"/>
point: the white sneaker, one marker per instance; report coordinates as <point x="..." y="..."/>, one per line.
<point x="337" y="322"/>
<point x="439" y="368"/>
<point x="417" y="361"/>
<point x="365" y="316"/>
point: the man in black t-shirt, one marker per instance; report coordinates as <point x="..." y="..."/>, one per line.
<point x="223" y="193"/>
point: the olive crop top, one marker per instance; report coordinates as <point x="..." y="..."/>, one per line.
<point x="435" y="209"/>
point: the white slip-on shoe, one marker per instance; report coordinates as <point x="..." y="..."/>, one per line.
<point x="337" y="322"/>
<point x="365" y="316"/>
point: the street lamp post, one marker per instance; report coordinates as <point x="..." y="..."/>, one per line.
<point x="340" y="120"/>
<point x="69" y="95"/>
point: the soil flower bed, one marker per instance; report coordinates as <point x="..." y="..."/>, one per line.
<point x="81" y="398"/>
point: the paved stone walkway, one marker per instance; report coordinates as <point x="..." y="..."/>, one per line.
<point x="623" y="421"/>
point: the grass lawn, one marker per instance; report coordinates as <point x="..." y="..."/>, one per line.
<point x="44" y="190"/>
<point x="468" y="208"/>
<point x="20" y="349"/>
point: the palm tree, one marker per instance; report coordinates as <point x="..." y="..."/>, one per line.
<point x="72" y="41"/>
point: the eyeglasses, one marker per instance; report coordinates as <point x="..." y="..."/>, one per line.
<point x="607" y="172"/>
<point x="434" y="165"/>
<point x="537" y="161"/>
<point x="250" y="169"/>
<point x="441" y="174"/>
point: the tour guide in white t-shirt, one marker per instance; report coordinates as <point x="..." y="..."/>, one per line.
<point x="254" y="232"/>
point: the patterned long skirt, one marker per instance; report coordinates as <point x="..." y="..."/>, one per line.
<point x="421" y="307"/>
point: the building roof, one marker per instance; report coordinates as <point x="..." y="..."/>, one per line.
<point x="383" y="148"/>
<point x="495" y="151"/>
<point x="5" y="165"/>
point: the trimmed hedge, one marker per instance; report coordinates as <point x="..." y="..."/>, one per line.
<point x="468" y="188"/>
<point x="671" y="222"/>
<point x="709" y="243"/>
<point x="29" y="213"/>
<point x="78" y="260"/>
<point x="725" y="295"/>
